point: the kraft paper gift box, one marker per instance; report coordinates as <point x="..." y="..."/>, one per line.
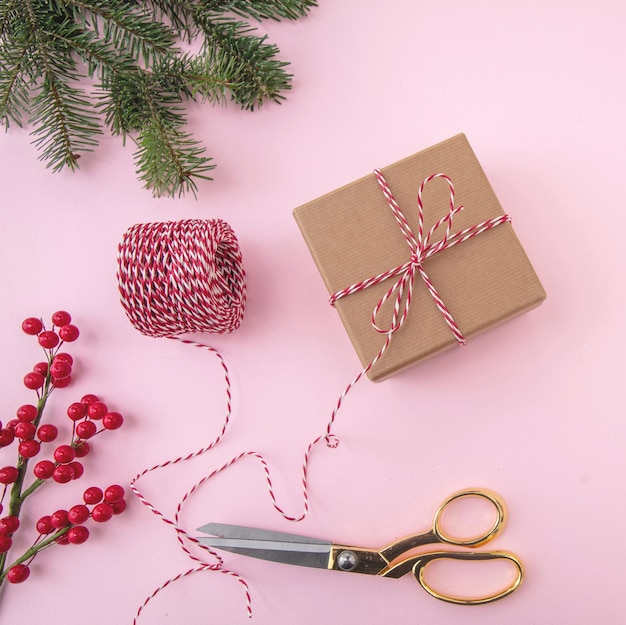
<point x="353" y="236"/>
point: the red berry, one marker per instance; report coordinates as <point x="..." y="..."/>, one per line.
<point x="41" y="367"/>
<point x="78" y="535"/>
<point x="61" y="318"/>
<point x="28" y="412"/>
<point x="33" y="380"/>
<point x="64" y="453"/>
<point x="86" y="429"/>
<point x="18" y="574"/>
<point x="44" y="525"/>
<point x="114" y="493"/>
<point x="47" y="432"/>
<point x="29" y="448"/>
<point x="9" y="524"/>
<point x="78" y="469"/>
<point x="6" y="542"/>
<point x="97" y="410"/>
<point x="93" y="495"/>
<point x="68" y="333"/>
<point x="76" y="411"/>
<point x="11" y="424"/>
<point x="60" y="369"/>
<point x="32" y="326"/>
<point x="63" y="357"/>
<point x="118" y="506"/>
<point x="89" y="399"/>
<point x="44" y="469"/>
<point x="62" y="382"/>
<point x="59" y="519"/>
<point x="24" y="430"/>
<point x="8" y="475"/>
<point x="48" y="339"/>
<point x="101" y="512"/>
<point x="78" y="514"/>
<point x="63" y="474"/>
<point x="112" y="420"/>
<point x="6" y="437"/>
<point x="81" y="449"/>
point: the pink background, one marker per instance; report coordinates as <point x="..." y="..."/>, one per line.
<point x="531" y="409"/>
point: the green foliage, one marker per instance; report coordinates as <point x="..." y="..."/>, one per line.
<point x="68" y="68"/>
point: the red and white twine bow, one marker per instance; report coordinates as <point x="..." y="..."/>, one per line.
<point x="421" y="247"/>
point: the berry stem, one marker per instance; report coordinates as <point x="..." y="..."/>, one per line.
<point x="30" y="553"/>
<point x="32" y="488"/>
<point x="18" y="497"/>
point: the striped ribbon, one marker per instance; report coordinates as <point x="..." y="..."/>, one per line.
<point x="421" y="247"/>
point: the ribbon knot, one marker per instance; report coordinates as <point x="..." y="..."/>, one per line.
<point x="421" y="248"/>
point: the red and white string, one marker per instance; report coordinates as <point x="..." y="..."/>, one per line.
<point x="179" y="277"/>
<point x="185" y="277"/>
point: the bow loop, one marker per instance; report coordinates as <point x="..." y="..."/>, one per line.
<point x="421" y="248"/>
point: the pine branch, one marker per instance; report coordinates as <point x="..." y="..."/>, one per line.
<point x="99" y="57"/>
<point x="64" y="124"/>
<point x="134" y="100"/>
<point x="61" y="114"/>
<point x="70" y="66"/>
<point x="261" y="9"/>
<point x="14" y="89"/>
<point x="129" y="29"/>
<point x="169" y="160"/>
<point x="191" y="76"/>
<point x="178" y="14"/>
<point x="8" y="11"/>
<point x="244" y="61"/>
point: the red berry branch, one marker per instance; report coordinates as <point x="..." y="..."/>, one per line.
<point x="29" y="437"/>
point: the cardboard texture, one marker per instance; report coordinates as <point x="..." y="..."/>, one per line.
<point x="353" y="235"/>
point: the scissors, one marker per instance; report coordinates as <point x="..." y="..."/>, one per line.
<point x="394" y="560"/>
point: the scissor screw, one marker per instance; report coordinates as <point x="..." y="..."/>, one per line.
<point x="347" y="560"/>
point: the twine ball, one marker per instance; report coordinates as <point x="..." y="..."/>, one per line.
<point x="182" y="277"/>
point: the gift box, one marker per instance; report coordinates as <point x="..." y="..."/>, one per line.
<point x="418" y="257"/>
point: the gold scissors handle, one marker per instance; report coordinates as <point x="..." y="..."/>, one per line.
<point x="419" y="563"/>
<point x="438" y="532"/>
<point x="481" y="538"/>
<point x="399" y="558"/>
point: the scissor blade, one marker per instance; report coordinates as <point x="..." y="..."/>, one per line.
<point x="226" y="530"/>
<point x="279" y="547"/>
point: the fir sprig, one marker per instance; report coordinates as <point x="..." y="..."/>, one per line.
<point x="69" y="68"/>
